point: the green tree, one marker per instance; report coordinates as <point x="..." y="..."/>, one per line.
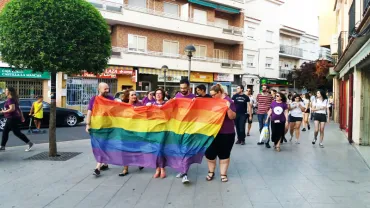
<point x="57" y="36"/>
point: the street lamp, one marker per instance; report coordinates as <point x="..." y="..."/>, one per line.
<point x="164" y="69"/>
<point x="189" y="50"/>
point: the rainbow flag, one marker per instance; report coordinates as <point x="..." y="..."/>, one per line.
<point x="176" y="134"/>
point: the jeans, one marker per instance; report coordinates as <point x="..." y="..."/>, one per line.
<point x="240" y="121"/>
<point x="261" y="121"/>
<point x="12" y="124"/>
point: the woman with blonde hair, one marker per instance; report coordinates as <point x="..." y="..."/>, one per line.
<point x="224" y="141"/>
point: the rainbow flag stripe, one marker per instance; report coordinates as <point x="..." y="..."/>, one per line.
<point x="176" y="134"/>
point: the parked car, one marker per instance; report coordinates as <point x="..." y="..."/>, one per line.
<point x="65" y="117"/>
<point x="140" y="94"/>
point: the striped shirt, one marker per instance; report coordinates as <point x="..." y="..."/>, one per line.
<point x="264" y="103"/>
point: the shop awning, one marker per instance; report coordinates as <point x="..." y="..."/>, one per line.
<point x="160" y="72"/>
<point x="216" y="6"/>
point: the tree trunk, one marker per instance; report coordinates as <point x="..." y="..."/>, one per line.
<point x="52" y="122"/>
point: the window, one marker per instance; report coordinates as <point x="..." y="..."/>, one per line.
<point x="250" y="60"/>
<point x="269" y="35"/>
<point x="250" y="32"/>
<point x="172" y="9"/>
<point x="170" y="48"/>
<point x="268" y="62"/>
<point x="220" y="54"/>
<point x="313" y="47"/>
<point x="200" y="16"/>
<point x="201" y="51"/>
<point x="221" y="22"/>
<point x="136" y="43"/>
<point x="137" y="3"/>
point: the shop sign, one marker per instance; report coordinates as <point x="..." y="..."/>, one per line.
<point x="23" y="73"/>
<point x="117" y="71"/>
<point x="176" y="79"/>
<point x="274" y="82"/>
<point x="223" y="77"/>
<point x="102" y="75"/>
<point x="201" y="77"/>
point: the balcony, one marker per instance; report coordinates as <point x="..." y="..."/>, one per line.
<point x="116" y="13"/>
<point x="283" y="73"/>
<point x="342" y="42"/>
<point x="153" y="59"/>
<point x="233" y="3"/>
<point x="352" y="18"/>
<point x="366" y="6"/>
<point x="291" y="51"/>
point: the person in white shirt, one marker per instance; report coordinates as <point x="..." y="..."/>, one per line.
<point x="306" y="114"/>
<point x="312" y="99"/>
<point x="322" y="114"/>
<point x="296" y="116"/>
<point x="252" y="101"/>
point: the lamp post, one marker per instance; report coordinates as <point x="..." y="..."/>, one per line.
<point x="164" y="69"/>
<point x="189" y="50"/>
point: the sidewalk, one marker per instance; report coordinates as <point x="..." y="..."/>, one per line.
<point x="299" y="176"/>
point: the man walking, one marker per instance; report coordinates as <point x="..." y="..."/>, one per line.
<point x="250" y="112"/>
<point x="264" y="101"/>
<point x="242" y="106"/>
<point x="184" y="93"/>
<point x="103" y="90"/>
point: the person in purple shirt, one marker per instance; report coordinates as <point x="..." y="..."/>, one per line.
<point x="279" y="119"/>
<point x="184" y="93"/>
<point x="103" y="90"/>
<point x="130" y="97"/>
<point x="14" y="117"/>
<point x="149" y="98"/>
<point x="224" y="141"/>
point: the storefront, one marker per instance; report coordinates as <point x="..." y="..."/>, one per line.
<point x="197" y="78"/>
<point x="225" y="80"/>
<point x="28" y="84"/>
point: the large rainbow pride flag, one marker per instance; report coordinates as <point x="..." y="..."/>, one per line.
<point x="176" y="134"/>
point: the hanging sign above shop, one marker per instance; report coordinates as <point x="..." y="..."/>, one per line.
<point x="222" y="77"/>
<point x="23" y="74"/>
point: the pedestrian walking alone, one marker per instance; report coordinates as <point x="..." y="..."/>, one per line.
<point x="322" y="115"/>
<point x="279" y="119"/>
<point x="243" y="106"/>
<point x="223" y="143"/>
<point x="14" y="117"/>
<point x="296" y="108"/>
<point x="264" y="101"/>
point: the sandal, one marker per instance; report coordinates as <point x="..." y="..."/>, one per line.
<point x="224" y="178"/>
<point x="210" y="177"/>
<point x="123" y="173"/>
<point x="163" y="174"/>
<point x="157" y="173"/>
<point x="277" y="149"/>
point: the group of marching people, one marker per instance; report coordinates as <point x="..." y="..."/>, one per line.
<point x="220" y="147"/>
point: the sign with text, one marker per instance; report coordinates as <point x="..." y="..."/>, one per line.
<point x="201" y="77"/>
<point x="118" y="71"/>
<point x="102" y="75"/>
<point x="23" y="73"/>
<point x="222" y="77"/>
<point x="169" y="78"/>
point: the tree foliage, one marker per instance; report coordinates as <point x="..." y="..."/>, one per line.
<point x="58" y="36"/>
<point x="312" y="76"/>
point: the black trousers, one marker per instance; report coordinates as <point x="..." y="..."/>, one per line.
<point x="240" y="121"/>
<point x="12" y="124"/>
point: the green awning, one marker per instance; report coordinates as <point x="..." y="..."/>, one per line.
<point x="216" y="6"/>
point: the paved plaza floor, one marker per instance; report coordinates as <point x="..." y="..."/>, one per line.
<point x="301" y="175"/>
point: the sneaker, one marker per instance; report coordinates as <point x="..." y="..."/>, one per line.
<point x="104" y="167"/>
<point x="96" y="172"/>
<point x="314" y="140"/>
<point x="268" y="145"/>
<point x="309" y="127"/>
<point x="2" y="148"/>
<point x="260" y="143"/>
<point x="285" y="139"/>
<point x="185" y="179"/>
<point x="179" y="175"/>
<point x="304" y="129"/>
<point x="297" y="142"/>
<point x="321" y="145"/>
<point x="238" y="142"/>
<point x="30" y="145"/>
<point x="242" y="143"/>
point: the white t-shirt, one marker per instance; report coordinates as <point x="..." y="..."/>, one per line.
<point x="252" y="101"/>
<point x="296" y="112"/>
<point x="318" y="103"/>
<point x="306" y="102"/>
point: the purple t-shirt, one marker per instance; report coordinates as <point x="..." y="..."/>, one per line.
<point x="137" y="104"/>
<point x="158" y="104"/>
<point x="228" y="125"/>
<point x="146" y="100"/>
<point x="278" y="110"/>
<point x="190" y="95"/>
<point x="92" y="100"/>
<point x="15" y="113"/>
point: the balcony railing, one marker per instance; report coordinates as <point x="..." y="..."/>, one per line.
<point x="289" y="50"/>
<point x="342" y="42"/>
<point x="116" y="52"/>
<point x="366" y="6"/>
<point x="116" y="7"/>
<point x="352" y="18"/>
<point x="283" y="73"/>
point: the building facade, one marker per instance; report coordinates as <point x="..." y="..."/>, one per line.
<point x="351" y="73"/>
<point x="276" y="41"/>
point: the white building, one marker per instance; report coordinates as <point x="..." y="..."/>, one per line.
<point x="278" y="37"/>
